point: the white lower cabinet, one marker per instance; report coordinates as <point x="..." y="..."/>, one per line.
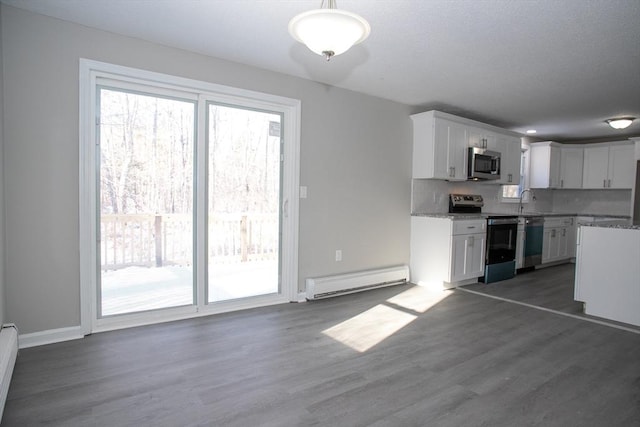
<point x="467" y="256"/>
<point x="607" y="271"/>
<point x="559" y="239"/>
<point x="446" y="252"/>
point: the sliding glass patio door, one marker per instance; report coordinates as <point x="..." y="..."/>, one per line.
<point x="149" y="238"/>
<point x="188" y="197"/>
<point x="146" y="201"/>
<point x="243" y="198"/>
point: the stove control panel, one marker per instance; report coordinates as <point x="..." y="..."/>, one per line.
<point x="474" y="200"/>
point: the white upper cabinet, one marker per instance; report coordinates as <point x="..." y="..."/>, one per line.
<point x="511" y="150"/>
<point x="609" y="165"/>
<point x="571" y="161"/>
<point x="456" y="151"/>
<point x="545" y="165"/>
<point x="441" y="141"/>
<point x="439" y="148"/>
<point x="621" y="166"/>
<point x="589" y="166"/>
<point x="482" y="138"/>
<point x="596" y="167"/>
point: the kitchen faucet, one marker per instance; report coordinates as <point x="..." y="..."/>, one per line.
<point x="520" y="207"/>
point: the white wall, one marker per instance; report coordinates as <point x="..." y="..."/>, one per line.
<point x="2" y="240"/>
<point x="355" y="161"/>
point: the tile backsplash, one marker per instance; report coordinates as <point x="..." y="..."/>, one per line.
<point x="431" y="196"/>
<point x="600" y="202"/>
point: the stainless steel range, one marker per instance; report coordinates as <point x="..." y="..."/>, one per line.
<point x="465" y="203"/>
<point x="500" y="251"/>
<point x="500" y="262"/>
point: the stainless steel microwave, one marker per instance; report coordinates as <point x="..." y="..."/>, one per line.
<point x="483" y="164"/>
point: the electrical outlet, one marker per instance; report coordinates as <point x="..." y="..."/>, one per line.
<point x="338" y="255"/>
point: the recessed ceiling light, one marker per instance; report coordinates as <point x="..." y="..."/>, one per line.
<point x="531" y="131"/>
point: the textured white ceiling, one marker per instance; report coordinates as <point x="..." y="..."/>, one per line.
<point x="559" y="66"/>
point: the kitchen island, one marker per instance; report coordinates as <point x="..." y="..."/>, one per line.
<point x="607" y="277"/>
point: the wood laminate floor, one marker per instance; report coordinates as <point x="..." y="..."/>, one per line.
<point x="397" y="356"/>
<point x="550" y="288"/>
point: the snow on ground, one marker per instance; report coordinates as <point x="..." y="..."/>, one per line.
<point x="135" y="289"/>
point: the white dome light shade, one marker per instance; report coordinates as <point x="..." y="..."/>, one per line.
<point x="329" y="32"/>
<point x="621" y="123"/>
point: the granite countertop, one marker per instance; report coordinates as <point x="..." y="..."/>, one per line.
<point x="451" y="215"/>
<point x="530" y="214"/>
<point x="525" y="215"/>
<point x="612" y="224"/>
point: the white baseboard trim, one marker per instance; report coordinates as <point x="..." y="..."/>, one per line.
<point x="50" y="336"/>
<point x="8" y="354"/>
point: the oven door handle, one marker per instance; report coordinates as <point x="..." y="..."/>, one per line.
<point x="502" y="221"/>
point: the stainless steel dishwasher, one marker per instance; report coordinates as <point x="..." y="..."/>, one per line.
<point x="533" y="235"/>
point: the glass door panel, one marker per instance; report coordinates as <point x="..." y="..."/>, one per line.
<point x="146" y="194"/>
<point x="244" y="182"/>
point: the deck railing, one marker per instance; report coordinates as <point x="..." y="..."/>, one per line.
<point x="160" y="240"/>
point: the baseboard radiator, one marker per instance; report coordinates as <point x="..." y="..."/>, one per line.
<point x="8" y="354"/>
<point x="329" y="286"/>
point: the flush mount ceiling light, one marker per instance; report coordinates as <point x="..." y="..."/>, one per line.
<point x="620" y="123"/>
<point x="328" y="31"/>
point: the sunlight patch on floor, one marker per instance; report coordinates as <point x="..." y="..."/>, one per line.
<point x="419" y="298"/>
<point x="367" y="329"/>
<point x="373" y="326"/>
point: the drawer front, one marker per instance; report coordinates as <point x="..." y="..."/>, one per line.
<point x="469" y="226"/>
<point x="559" y="221"/>
<point x="552" y="223"/>
<point x="567" y="221"/>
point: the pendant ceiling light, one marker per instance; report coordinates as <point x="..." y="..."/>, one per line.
<point x="621" y="123"/>
<point x="328" y="31"/>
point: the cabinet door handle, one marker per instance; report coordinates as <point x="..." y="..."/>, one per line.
<point x="453" y="171"/>
<point x="561" y="183"/>
<point x="564" y="232"/>
<point x="553" y="233"/>
<point x="609" y="183"/>
<point x="604" y="183"/>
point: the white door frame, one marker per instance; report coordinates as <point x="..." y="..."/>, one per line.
<point x="90" y="72"/>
